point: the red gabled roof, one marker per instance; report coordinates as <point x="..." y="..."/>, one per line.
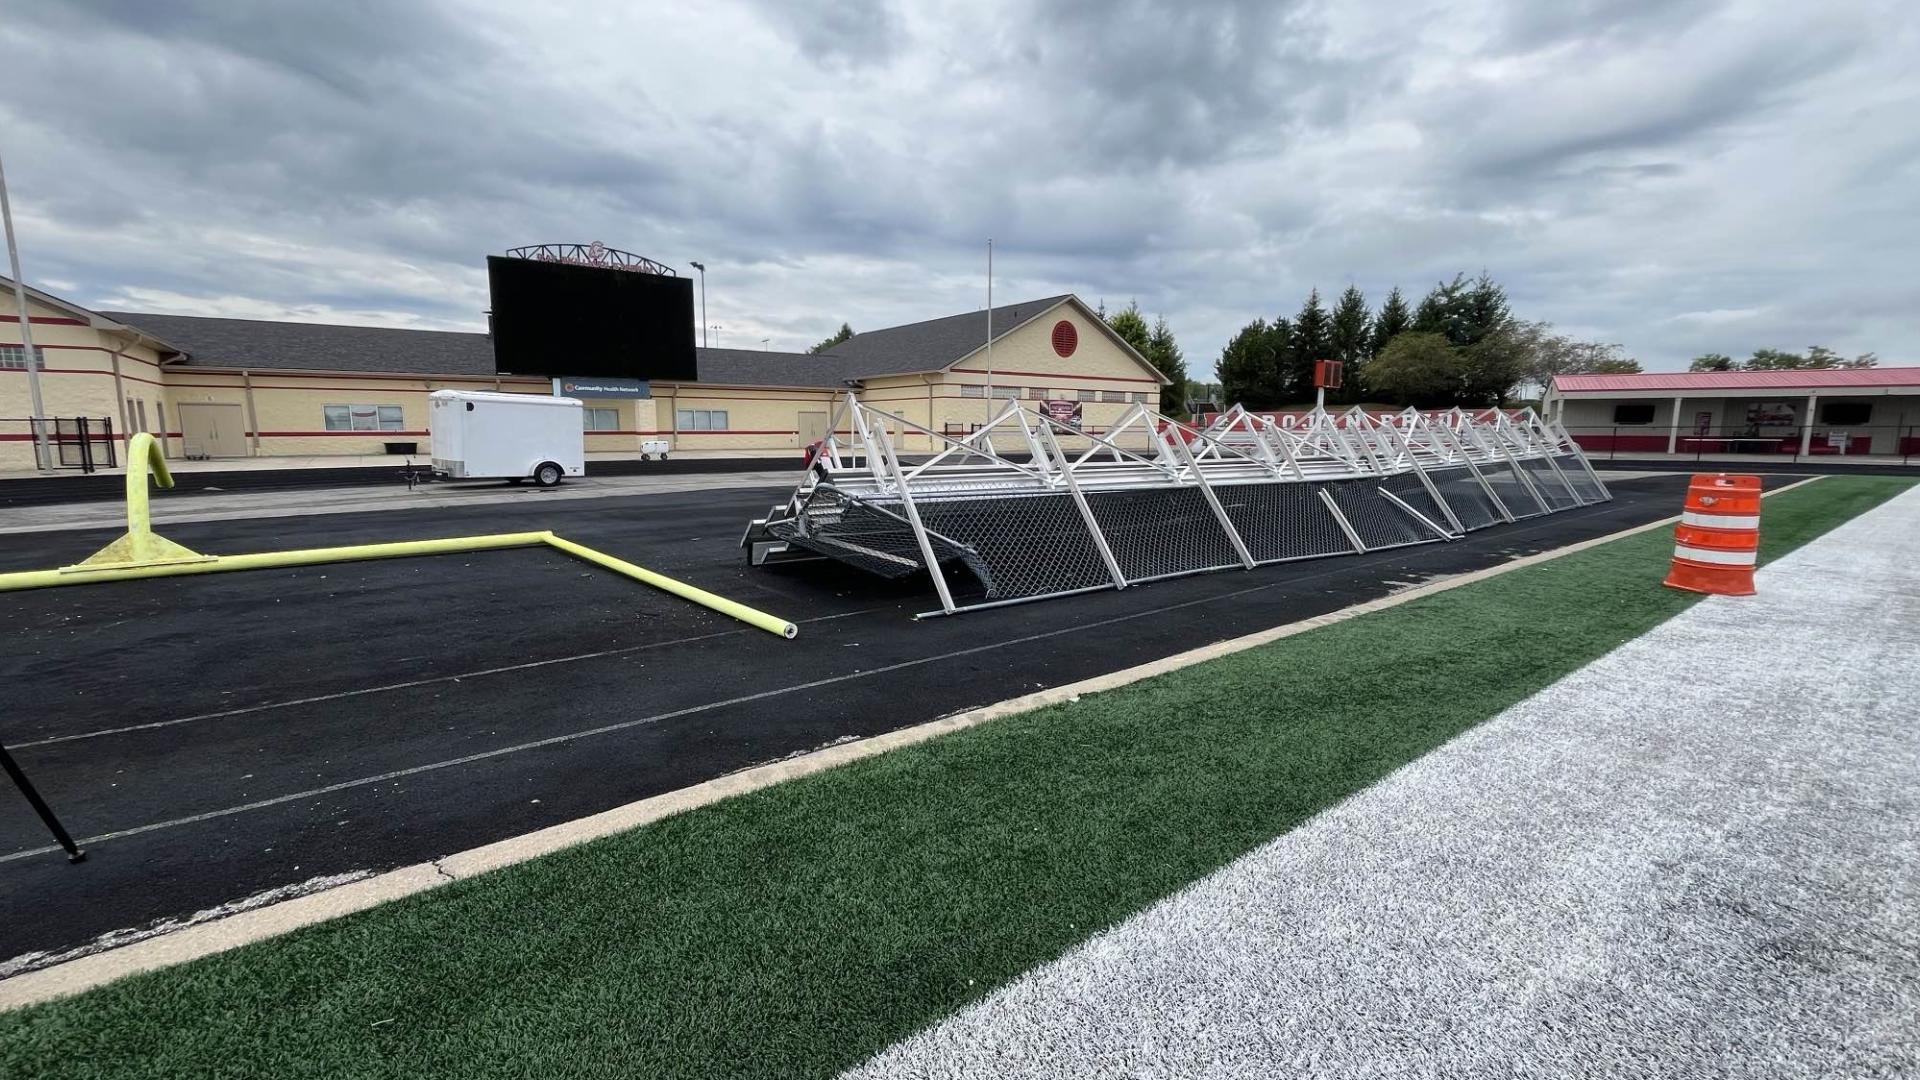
<point x="1816" y="379"/>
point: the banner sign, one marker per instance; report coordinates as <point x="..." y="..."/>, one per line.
<point x="597" y="387"/>
<point x="1771" y="414"/>
<point x="1062" y="412"/>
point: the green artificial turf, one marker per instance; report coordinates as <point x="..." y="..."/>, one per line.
<point x="794" y="931"/>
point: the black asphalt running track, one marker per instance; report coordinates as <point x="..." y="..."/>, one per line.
<point x="290" y="724"/>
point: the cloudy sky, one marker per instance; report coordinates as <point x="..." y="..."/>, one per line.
<point x="1673" y="175"/>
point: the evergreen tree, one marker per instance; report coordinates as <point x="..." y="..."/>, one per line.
<point x="1485" y="309"/>
<point x="1131" y="326"/>
<point x="1394" y="319"/>
<point x="1168" y="359"/>
<point x="1248" y="368"/>
<point x="1713" y="361"/>
<point x="1312" y="341"/>
<point x="839" y="336"/>
<point x="1352" y="339"/>
<point x="1280" y="384"/>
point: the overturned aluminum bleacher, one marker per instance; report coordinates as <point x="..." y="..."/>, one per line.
<point x="1032" y="507"/>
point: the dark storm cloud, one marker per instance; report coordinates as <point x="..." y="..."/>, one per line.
<point x="1663" y="174"/>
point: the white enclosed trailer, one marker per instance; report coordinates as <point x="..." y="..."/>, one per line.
<point x="511" y="436"/>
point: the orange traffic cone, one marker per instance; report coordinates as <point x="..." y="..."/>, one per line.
<point x="1718" y="538"/>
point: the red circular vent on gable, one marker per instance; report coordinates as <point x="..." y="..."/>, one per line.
<point x="1065" y="338"/>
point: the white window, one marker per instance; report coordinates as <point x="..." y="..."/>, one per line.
<point x="1089" y="395"/>
<point x="600" y="419"/>
<point x="972" y="390"/>
<point x="1140" y="396"/>
<point x="14" y="357"/>
<point x="364" y="417"/>
<point x="701" y="419"/>
<point x="1036" y="393"/>
<point x="1113" y="395"/>
<point x="1008" y="392"/>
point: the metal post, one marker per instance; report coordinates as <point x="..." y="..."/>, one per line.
<point x="1433" y="490"/>
<point x="1598" y="484"/>
<point x="1206" y="490"/>
<point x="913" y="519"/>
<point x="1417" y="515"/>
<point x="74" y="854"/>
<point x="702" y="267"/>
<point x="1485" y="484"/>
<point x="1341" y="520"/>
<point x="1086" y="511"/>
<point x="43" y="453"/>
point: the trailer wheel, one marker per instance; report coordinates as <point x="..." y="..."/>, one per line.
<point x="547" y="474"/>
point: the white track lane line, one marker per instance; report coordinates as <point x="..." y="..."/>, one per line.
<point x="1697" y="856"/>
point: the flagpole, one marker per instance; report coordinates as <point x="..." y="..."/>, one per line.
<point x="43" y="459"/>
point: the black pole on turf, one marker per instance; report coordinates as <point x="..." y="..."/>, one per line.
<point x="74" y="854"/>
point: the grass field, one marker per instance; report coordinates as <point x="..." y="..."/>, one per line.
<point x="795" y="931"/>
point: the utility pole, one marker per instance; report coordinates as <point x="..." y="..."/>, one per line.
<point x="42" y="454"/>
<point x="702" y="267"/>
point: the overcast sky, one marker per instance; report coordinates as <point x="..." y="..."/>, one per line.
<point x="1675" y="176"/>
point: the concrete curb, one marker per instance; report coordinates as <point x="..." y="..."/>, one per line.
<point x="87" y="972"/>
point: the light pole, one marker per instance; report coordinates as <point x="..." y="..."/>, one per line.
<point x="716" y="328"/>
<point x="764" y="347"/>
<point x="989" y="329"/>
<point x="43" y="458"/>
<point x="702" y="267"/>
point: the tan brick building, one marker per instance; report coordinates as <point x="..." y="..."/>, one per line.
<point x="213" y="387"/>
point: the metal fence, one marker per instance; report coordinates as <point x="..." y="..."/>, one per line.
<point x="85" y="443"/>
<point x="1795" y="442"/>
<point x="1151" y="498"/>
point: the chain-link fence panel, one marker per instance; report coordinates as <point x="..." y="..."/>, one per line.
<point x="1282" y="521"/>
<point x="1552" y="488"/>
<point x="1379" y="523"/>
<point x="1504" y="478"/>
<point x="1468" y="499"/>
<point x="1577" y="473"/>
<point x="1021" y="546"/>
<point x="1408" y="488"/>
<point x="1162" y="531"/>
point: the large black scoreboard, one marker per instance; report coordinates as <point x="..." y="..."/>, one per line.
<point x="554" y="317"/>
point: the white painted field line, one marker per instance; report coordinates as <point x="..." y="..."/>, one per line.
<point x="209" y="938"/>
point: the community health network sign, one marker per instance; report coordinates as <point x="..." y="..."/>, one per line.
<point x="602" y="388"/>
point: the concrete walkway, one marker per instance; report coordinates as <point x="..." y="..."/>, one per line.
<point x="1699" y="856"/>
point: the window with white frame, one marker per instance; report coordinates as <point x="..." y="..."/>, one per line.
<point x="1140" y="397"/>
<point x="600" y="419"/>
<point x="364" y="417"/>
<point x="1036" y="393"/>
<point x="1089" y="395"/>
<point x="972" y="390"/>
<point x="700" y="419"/>
<point x="14" y="357"/>
<point x="1008" y="392"/>
<point x="1113" y="395"/>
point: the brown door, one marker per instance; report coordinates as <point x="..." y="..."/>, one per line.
<point x="212" y="431"/>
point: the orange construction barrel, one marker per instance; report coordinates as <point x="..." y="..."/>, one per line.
<point x="1717" y="541"/>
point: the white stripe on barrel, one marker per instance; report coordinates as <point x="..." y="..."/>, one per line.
<point x="1708" y="555"/>
<point x="1721" y="521"/>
